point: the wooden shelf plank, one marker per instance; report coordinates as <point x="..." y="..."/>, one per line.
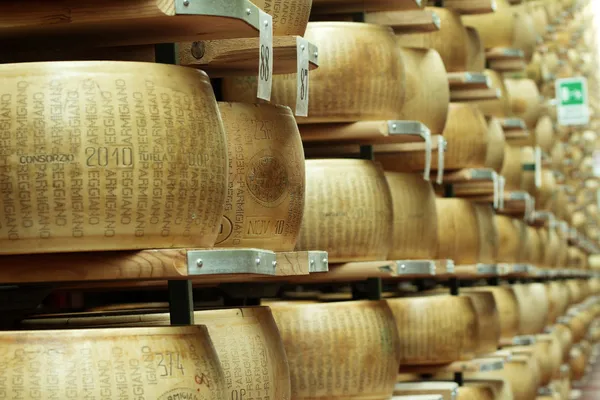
<point x="351" y="272"/>
<point x="365" y="132"/>
<point x="406" y="21"/>
<point x="471" y="6"/>
<point x="39" y="23"/>
<point x="476" y="365"/>
<point x="228" y="57"/>
<point x="320" y="7"/>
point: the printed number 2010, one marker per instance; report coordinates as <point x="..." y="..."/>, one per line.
<point x="109" y="156"/>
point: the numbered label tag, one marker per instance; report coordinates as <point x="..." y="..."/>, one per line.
<point x="265" y="59"/>
<point x="441" y="150"/>
<point x="495" y="183"/>
<point x="427" y="136"/>
<point x="538" y="167"/>
<point x="501" y="186"/>
<point x="302" y="77"/>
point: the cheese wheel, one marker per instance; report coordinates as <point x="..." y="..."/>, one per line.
<point x="524" y="100"/>
<point x="495" y="29"/>
<point x="371" y="86"/>
<point x="539" y="353"/>
<point x="488" y="235"/>
<point x="522" y="234"/>
<point x="494" y="156"/>
<point x="435" y="329"/>
<point x="521" y="372"/>
<point x="105" y="171"/>
<point x="466" y="134"/>
<point x="347" y="211"/>
<point x="160" y="363"/>
<point x="289" y="17"/>
<point x="544" y="195"/>
<point x="549" y="345"/>
<point x="534" y="252"/>
<point x="488" y="321"/>
<point x="342" y="338"/>
<point x="512" y="168"/>
<point x="544" y="133"/>
<point x="528" y="169"/>
<point x="578" y="363"/>
<point x="475" y="393"/>
<point x="265" y="196"/>
<point x="451" y="40"/>
<point x="426" y="87"/>
<point x="565" y="337"/>
<point x="551" y="240"/>
<point x="525" y="37"/>
<point x="508" y="308"/>
<point x="499" y="107"/>
<point x="533" y="307"/>
<point x="556" y="301"/>
<point x="247" y="334"/>
<point x="458" y="231"/>
<point x="415" y="234"/>
<point x="475" y="51"/>
<point x="509" y="239"/>
<point x="557" y="154"/>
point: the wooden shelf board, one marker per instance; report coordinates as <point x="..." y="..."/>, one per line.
<point x="39" y="23"/>
<point x="406" y="21"/>
<point x="229" y="57"/>
<point x="362" y="132"/>
<point x="356" y="6"/>
<point x="476" y="365"/>
<point x="468" y="7"/>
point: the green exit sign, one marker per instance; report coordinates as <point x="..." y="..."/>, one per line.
<point x="572" y="101"/>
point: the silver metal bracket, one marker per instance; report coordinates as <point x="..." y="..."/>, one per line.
<point x="492" y="366"/>
<point x="231" y="261"/>
<point x="526" y="340"/>
<point x="238" y="9"/>
<point x="317" y="261"/>
<point x="415" y="267"/>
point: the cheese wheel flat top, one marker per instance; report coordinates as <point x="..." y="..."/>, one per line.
<point x="415" y="232"/>
<point x="458" y="231"/>
<point x="240" y="335"/>
<point x="426" y="87"/>
<point x="90" y="159"/>
<point x="347" y="210"/>
<point x="342" y="338"/>
<point x="158" y="363"/>
<point x="524" y="100"/>
<point x="494" y="157"/>
<point x="361" y="76"/>
<point x="289" y="16"/>
<point x="451" y="40"/>
<point x="435" y="329"/>
<point x="265" y="195"/>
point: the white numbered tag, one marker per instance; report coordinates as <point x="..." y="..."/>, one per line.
<point x="265" y="58"/>
<point x="302" y="77"/>
<point x="441" y="151"/>
<point x="501" y="186"/>
<point x="538" y="167"/>
<point x="427" y="136"/>
<point x="496" y="190"/>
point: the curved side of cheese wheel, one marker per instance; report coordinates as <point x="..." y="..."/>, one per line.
<point x="565" y="337"/>
<point x="549" y="345"/>
<point x="265" y="200"/>
<point x="524" y="100"/>
<point x="495" y="29"/>
<point x="488" y="321"/>
<point x="557" y="154"/>
<point x="475" y="51"/>
<point x="512" y="167"/>
<point x="488" y="235"/>
<point x="534" y="252"/>
<point x="289" y="17"/>
<point x="342" y="338"/>
<point x="551" y="246"/>
<point x="540" y="19"/>
<point x="458" y="231"/>
<point x="347" y="210"/>
<point x="524" y="35"/>
<point x="522" y="235"/>
<point x="544" y="133"/>
<point x="499" y="107"/>
<point x="508" y="308"/>
<point x="475" y="393"/>
<point x="361" y="76"/>
<point x="105" y="171"/>
<point x="235" y="332"/>
<point x="121" y="353"/>
<point x="450" y="41"/>
<point x="415" y="233"/>
<point x="578" y="363"/>
<point x="508" y="239"/>
<point x="544" y="195"/>
<point x="494" y="157"/>
<point x="533" y="307"/>
<point x="435" y="329"/>
<point x="427" y="89"/>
